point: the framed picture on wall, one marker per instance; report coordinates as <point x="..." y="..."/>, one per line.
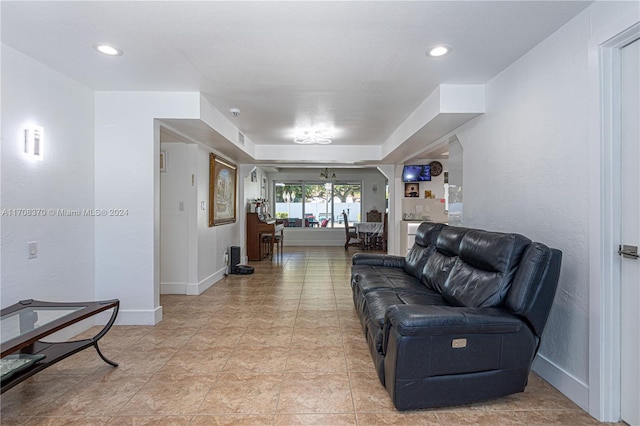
<point x="411" y="189"/>
<point x="222" y="191"/>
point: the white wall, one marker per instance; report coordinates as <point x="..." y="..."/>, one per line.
<point x="63" y="179"/>
<point x="526" y="170"/>
<point x="175" y="209"/>
<point x="127" y="148"/>
<point x="214" y="241"/>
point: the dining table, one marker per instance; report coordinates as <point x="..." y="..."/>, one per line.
<point x="368" y="232"/>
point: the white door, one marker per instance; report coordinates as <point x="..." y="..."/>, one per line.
<point x="630" y="231"/>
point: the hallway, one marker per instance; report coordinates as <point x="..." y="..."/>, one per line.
<point x="280" y="347"/>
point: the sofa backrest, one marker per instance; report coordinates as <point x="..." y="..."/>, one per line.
<point x="484" y="270"/>
<point x="476" y="268"/>
<point x="438" y="266"/>
<point x="534" y="285"/>
<point x="426" y="236"/>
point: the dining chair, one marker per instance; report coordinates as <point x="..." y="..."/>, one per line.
<point x="352" y="236"/>
<point x="374" y="216"/>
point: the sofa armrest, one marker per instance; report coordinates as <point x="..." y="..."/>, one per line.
<point x="433" y="320"/>
<point x="377" y="259"/>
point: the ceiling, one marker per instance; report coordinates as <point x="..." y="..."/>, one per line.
<point x="357" y="68"/>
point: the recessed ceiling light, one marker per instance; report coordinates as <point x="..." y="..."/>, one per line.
<point x="107" y="50"/>
<point x="440" y="50"/>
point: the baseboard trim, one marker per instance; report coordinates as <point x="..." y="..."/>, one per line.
<point x="560" y="379"/>
<point x="139" y="317"/>
<point x="173" y="288"/>
<point x="194" y="289"/>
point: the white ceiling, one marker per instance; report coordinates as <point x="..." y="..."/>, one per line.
<point x="357" y="67"/>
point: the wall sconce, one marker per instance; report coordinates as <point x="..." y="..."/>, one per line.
<point x="34" y="141"/>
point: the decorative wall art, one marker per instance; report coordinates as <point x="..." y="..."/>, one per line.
<point x="411" y="190"/>
<point x="222" y="191"/>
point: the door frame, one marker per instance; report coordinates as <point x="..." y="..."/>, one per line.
<point x="605" y="281"/>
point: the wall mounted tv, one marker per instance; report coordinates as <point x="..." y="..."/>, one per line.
<point x="417" y="173"/>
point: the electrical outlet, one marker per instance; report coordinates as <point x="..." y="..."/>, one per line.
<point x="32" y="250"/>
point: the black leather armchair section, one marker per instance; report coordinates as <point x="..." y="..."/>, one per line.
<point x="459" y="319"/>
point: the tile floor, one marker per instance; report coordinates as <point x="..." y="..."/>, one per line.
<point x="280" y="347"/>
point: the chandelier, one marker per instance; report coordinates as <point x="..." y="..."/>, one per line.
<point x="327" y="174"/>
<point x="320" y="137"/>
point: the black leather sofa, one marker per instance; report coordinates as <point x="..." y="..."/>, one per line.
<point x="459" y="319"/>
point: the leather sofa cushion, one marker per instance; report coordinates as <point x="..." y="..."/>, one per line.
<point x="427" y="233"/>
<point x="483" y="272"/>
<point x="426" y="237"/>
<point x="378" y="301"/>
<point x="438" y="266"/>
<point x="390" y="278"/>
<point x="415" y="260"/>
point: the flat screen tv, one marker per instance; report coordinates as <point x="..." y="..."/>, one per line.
<point x="417" y="173"/>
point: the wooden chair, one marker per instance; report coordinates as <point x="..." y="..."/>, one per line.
<point x="351" y="234"/>
<point x="381" y="240"/>
<point x="374" y="216"/>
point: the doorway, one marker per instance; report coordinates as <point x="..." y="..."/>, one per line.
<point x="629" y="232"/>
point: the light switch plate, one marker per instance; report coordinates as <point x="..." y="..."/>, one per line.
<point x="32" y="250"/>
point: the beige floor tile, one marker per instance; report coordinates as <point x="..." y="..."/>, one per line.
<point x="243" y="394"/>
<point x="315" y="419"/>
<point x="169" y="394"/>
<point x="398" y="418"/>
<point x="315" y="393"/>
<point x="316" y="358"/>
<point x="163" y="338"/>
<point x="189" y="361"/>
<point x="100" y="395"/>
<point x="317" y="335"/>
<point x="266" y="336"/>
<point x="65" y="421"/>
<point x="369" y="396"/>
<point x="258" y="358"/>
<point x="150" y="421"/>
<point x="556" y="417"/>
<point x="210" y="338"/>
<point x="35" y="393"/>
<point x="478" y="418"/>
<point x="233" y="420"/>
<point x="140" y="361"/>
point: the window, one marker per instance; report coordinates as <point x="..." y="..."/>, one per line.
<point x="316" y="204"/>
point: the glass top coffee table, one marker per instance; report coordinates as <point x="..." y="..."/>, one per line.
<point x="25" y="324"/>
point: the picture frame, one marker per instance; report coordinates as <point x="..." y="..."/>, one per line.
<point x="411" y="190"/>
<point x="222" y="191"/>
<point x="163" y="160"/>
